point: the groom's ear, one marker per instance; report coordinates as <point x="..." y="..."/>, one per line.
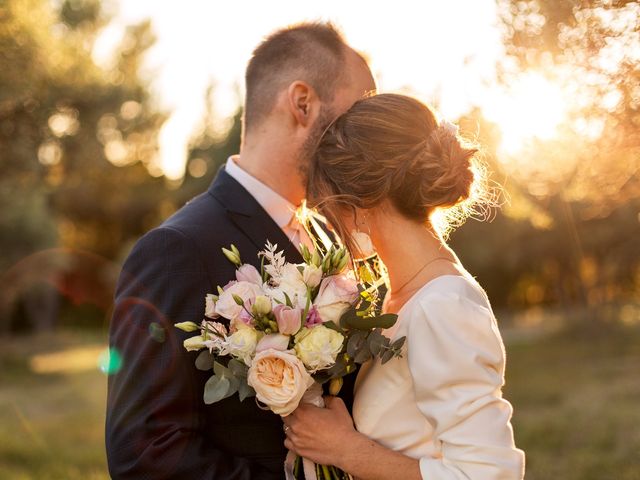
<point x="303" y="103"/>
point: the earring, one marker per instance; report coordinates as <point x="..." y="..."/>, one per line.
<point x="363" y="239"/>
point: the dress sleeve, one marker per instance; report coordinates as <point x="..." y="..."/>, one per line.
<point x="456" y="358"/>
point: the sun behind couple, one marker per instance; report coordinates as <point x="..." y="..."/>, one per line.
<point x="380" y="164"/>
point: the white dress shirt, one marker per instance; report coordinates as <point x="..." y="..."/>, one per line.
<point x="441" y="402"/>
<point x="281" y="210"/>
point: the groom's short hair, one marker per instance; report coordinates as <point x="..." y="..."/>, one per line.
<point x="312" y="51"/>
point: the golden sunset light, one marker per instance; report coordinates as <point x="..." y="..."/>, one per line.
<point x="436" y="279"/>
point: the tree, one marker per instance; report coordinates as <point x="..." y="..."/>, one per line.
<point x="77" y="144"/>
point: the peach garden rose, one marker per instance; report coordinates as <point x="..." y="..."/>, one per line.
<point x="279" y="379"/>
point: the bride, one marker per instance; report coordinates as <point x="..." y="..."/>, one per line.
<point x="385" y="168"/>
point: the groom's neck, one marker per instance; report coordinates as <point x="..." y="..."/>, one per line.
<point x="276" y="164"/>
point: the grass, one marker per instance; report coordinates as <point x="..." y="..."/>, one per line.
<point x="576" y="401"/>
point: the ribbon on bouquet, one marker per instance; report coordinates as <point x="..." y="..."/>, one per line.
<point x="312" y="396"/>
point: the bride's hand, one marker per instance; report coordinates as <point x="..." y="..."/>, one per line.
<point x="320" y="434"/>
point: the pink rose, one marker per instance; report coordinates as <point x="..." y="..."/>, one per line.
<point x="337" y="293"/>
<point x="248" y="273"/>
<point x="227" y="307"/>
<point x="276" y="341"/>
<point x="289" y="319"/>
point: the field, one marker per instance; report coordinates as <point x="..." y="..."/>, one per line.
<point x="576" y="400"/>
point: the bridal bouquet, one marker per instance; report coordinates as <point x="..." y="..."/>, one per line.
<point x="278" y="333"/>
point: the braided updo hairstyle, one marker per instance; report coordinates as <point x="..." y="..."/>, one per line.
<point x="391" y="147"/>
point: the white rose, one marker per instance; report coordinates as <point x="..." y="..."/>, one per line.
<point x="291" y="283"/>
<point x="337" y="293"/>
<point x="242" y="343"/>
<point x="227" y="307"/>
<point x="318" y="347"/>
<point x="279" y="379"/>
<point x="210" y="306"/>
<point x="312" y="275"/>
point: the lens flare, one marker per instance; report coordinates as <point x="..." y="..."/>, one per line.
<point x="110" y="361"/>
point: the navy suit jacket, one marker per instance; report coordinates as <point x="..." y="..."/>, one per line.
<point x="157" y="425"/>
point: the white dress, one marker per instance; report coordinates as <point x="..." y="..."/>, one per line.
<point x="441" y="402"/>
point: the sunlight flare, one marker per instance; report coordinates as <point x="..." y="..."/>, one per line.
<point x="533" y="107"/>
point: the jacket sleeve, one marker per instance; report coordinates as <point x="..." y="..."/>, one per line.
<point x="154" y="425"/>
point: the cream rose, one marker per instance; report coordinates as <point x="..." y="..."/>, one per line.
<point x="242" y="343"/>
<point x="279" y="379"/>
<point x="337" y="293"/>
<point x="318" y="347"/>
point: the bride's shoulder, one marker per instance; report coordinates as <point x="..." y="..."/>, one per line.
<point x="452" y="300"/>
<point x="453" y="289"/>
<point x="454" y="311"/>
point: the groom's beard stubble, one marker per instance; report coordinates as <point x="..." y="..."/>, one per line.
<point x="310" y="145"/>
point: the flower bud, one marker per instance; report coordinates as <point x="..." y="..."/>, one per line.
<point x="335" y="385"/>
<point x="261" y="305"/>
<point x="232" y="256"/>
<point x="187" y="326"/>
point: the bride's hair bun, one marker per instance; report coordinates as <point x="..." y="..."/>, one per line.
<point x="447" y="165"/>
<point x="392" y="147"/>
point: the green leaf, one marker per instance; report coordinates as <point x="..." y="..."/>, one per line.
<point x="356" y="342"/>
<point x="397" y="345"/>
<point x="362" y="355"/>
<point x="216" y="389"/>
<point x="221" y="370"/>
<point x="386" y="320"/>
<point x="388" y="355"/>
<point x="287" y="300"/>
<point x="333" y="326"/>
<point x="245" y="391"/>
<point x="204" y="361"/>
<point x="375" y="342"/>
<point x="238" y="368"/>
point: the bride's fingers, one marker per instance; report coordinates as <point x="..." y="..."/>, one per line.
<point x="334" y="403"/>
<point x="289" y="445"/>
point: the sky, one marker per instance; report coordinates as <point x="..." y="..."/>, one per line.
<point x="441" y="52"/>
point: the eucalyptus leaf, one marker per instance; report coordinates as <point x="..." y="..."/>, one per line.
<point x="204" y="361"/>
<point x="216" y="389"/>
<point x="348" y="317"/>
<point x="397" y="345"/>
<point x="238" y="368"/>
<point x="221" y="370"/>
<point x="245" y="391"/>
<point x="386" y="320"/>
<point x="332" y="326"/>
<point x="375" y="342"/>
<point x="362" y="355"/>
<point x="356" y="342"/>
<point x="388" y="355"/>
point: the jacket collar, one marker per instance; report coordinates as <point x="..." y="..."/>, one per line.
<point x="247" y="214"/>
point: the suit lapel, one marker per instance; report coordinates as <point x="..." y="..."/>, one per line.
<point x="249" y="216"/>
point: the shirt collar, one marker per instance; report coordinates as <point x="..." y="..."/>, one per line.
<point x="278" y="207"/>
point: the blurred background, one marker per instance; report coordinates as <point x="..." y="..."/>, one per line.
<point x="113" y="114"/>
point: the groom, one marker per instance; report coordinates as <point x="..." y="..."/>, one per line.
<point x="158" y="427"/>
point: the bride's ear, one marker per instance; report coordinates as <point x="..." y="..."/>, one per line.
<point x="303" y="103"/>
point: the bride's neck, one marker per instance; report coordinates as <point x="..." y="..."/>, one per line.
<point x="405" y="246"/>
